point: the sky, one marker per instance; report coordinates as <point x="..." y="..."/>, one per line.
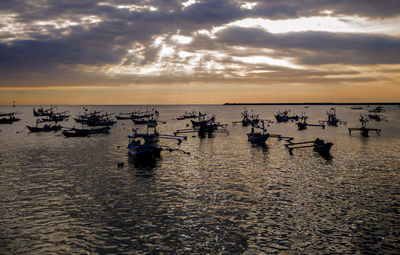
<point x="198" y="51"/>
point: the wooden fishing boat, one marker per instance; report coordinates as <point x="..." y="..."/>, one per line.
<point x="284" y="117"/>
<point x="143" y="121"/>
<point x="10" y="119"/>
<point x="204" y="127"/>
<point x="258" y="137"/>
<point x="301" y="125"/>
<point x="364" y="131"/>
<point x="75" y="133"/>
<point x="136" y="149"/>
<point x="45" y="128"/>
<point x="100" y="122"/>
<point x="248" y="119"/>
<point x="81" y="132"/>
<point x="188" y="115"/>
<point x="332" y="120"/>
<point x="375" y="116"/>
<point x="150" y="147"/>
<point x="319" y="146"/>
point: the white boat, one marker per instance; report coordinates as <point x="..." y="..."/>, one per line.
<point x="149" y="146"/>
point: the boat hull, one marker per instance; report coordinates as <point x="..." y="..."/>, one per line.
<point x="43" y="129"/>
<point x="145" y="150"/>
<point x="257" y="138"/>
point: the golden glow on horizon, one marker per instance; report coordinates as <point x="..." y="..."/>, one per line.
<point x="199" y="94"/>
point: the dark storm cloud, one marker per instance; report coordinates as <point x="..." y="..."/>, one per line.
<point x="319" y="47"/>
<point x="49" y="48"/>
<point x="290" y="9"/>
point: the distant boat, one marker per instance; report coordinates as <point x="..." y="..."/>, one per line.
<point x="364" y="131"/>
<point x="356" y="108"/>
<point x="284" y="117"/>
<point x="302" y="124"/>
<point x="82" y="132"/>
<point x="332" y="120"/>
<point x="45" y="128"/>
<point x="188" y="115"/>
<point x="248" y="119"/>
<point x="11" y="118"/>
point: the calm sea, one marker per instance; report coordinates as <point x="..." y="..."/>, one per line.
<point x="68" y="196"/>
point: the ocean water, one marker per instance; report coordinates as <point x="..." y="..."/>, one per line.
<point x="68" y="196"/>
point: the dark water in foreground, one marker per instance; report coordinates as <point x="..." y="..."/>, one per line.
<point x="67" y="195"/>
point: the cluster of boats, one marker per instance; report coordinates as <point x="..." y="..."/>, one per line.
<point x="143" y="145"/>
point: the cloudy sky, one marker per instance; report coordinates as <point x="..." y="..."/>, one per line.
<point x="198" y="51"/>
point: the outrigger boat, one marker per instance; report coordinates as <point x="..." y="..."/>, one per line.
<point x="149" y="120"/>
<point x="11" y="118"/>
<point x="55" y="116"/>
<point x="248" y="119"/>
<point x="378" y="109"/>
<point x="45" y="128"/>
<point x="302" y="124"/>
<point x="94" y="119"/>
<point x="319" y="146"/>
<point x="135" y="115"/>
<point x="82" y="132"/>
<point x="332" y="119"/>
<point x="188" y="115"/>
<point x="284" y="117"/>
<point x="205" y="127"/>
<point x="375" y="116"/>
<point x="150" y="147"/>
<point x="364" y="131"/>
<point x="260" y="138"/>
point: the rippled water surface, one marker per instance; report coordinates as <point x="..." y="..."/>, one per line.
<point x="68" y="196"/>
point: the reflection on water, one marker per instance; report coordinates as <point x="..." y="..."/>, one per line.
<point x="67" y="196"/>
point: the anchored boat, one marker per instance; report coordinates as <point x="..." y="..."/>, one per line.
<point x="319" y="146"/>
<point x="248" y="119"/>
<point x="364" y="131"/>
<point x="302" y="124"/>
<point x="8" y="118"/>
<point x="332" y="120"/>
<point x="284" y="116"/>
<point x="149" y="146"/>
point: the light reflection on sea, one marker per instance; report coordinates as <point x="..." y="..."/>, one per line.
<point x="67" y="195"/>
